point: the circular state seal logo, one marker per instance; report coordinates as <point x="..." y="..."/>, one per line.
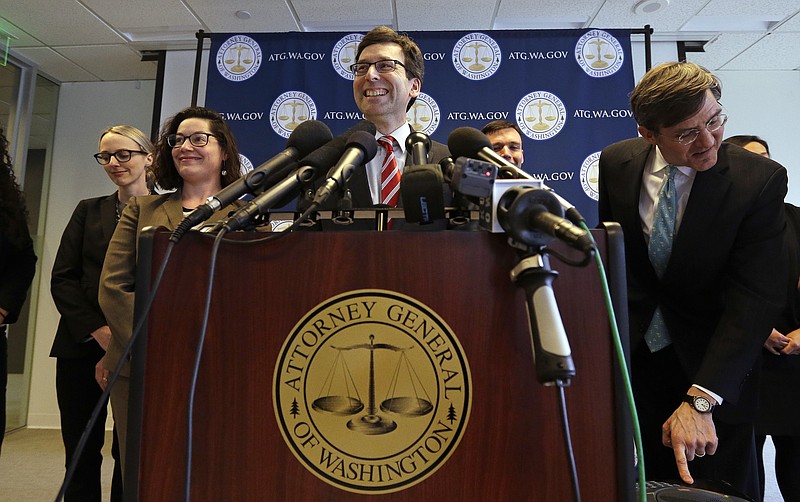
<point x="541" y="115"/>
<point x="424" y="114"/>
<point x="289" y="110"/>
<point x="246" y="164"/>
<point x="590" y="174"/>
<point x="372" y="391"/>
<point x="238" y="58"/>
<point x="476" y="56"/>
<point x="599" y="54"/>
<point x="344" y="54"/>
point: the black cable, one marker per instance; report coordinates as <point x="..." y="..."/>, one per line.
<point x="198" y="356"/>
<point x="101" y="402"/>
<point x="573" y="469"/>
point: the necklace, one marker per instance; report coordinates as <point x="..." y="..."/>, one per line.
<point x="117" y="208"/>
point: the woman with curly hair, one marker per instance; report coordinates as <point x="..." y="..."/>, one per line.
<point x="196" y="155"/>
<point x="17" y="263"/>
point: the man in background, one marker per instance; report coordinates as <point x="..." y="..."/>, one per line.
<point x="506" y="138"/>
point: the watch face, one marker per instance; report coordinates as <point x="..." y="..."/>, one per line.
<point x="702" y="404"/>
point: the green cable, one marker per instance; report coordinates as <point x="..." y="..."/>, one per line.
<point x="637" y="435"/>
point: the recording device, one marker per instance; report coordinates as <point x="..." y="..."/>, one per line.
<point x="533" y="216"/>
<point x="472" y="177"/>
<point x="701" y="491"/>
<point x="361" y="148"/>
<point x="421" y="186"/>
<point x="308" y="136"/>
<point x="470" y="142"/>
<point x="311" y="168"/>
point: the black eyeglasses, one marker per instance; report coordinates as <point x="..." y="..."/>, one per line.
<point x="122" y="156"/>
<point x="196" y="139"/>
<point x="383" y="66"/>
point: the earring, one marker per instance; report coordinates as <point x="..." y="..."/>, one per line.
<point x="224" y="172"/>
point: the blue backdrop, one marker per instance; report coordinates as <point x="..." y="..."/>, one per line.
<point x="566" y="89"/>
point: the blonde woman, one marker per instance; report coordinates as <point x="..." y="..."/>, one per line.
<point x="83" y="335"/>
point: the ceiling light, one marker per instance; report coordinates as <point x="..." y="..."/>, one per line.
<point x="650" y="6"/>
<point x="243" y="14"/>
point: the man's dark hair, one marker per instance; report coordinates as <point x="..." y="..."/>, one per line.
<point x="499" y="125"/>
<point x="672" y="92"/>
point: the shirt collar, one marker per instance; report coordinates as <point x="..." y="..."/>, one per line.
<point x="659" y="163"/>
<point x="400" y="135"/>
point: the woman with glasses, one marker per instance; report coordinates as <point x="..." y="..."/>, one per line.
<point x="83" y="334"/>
<point x="196" y="156"/>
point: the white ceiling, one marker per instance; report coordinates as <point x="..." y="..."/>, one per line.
<point x="102" y="40"/>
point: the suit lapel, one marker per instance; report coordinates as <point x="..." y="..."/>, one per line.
<point x="631" y="173"/>
<point x="172" y="210"/>
<point x="709" y="193"/>
<point x="108" y="216"/>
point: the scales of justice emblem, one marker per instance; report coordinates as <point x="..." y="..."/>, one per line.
<point x="372" y="391"/>
<point x="372" y="422"/>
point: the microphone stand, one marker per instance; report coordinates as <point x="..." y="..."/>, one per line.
<point x="550" y="347"/>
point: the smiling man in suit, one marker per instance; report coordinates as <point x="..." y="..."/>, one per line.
<point x="388" y="75"/>
<point x="703" y="225"/>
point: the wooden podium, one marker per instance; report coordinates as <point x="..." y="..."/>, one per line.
<point x="511" y="447"/>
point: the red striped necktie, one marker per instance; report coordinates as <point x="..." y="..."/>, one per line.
<point x="390" y="174"/>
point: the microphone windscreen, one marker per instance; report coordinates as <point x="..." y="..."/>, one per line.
<point x="308" y="136"/>
<point x="467" y="142"/>
<point x="364" y="141"/>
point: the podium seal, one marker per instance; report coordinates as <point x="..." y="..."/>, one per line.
<point x="372" y="391"/>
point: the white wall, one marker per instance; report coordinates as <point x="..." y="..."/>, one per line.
<point x="766" y="104"/>
<point x="84" y="110"/>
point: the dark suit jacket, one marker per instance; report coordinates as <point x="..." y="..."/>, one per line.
<point x="779" y="409"/>
<point x="118" y="278"/>
<point x="75" y="278"/>
<point x="718" y="294"/>
<point x="17" y="268"/>
<point x="359" y="186"/>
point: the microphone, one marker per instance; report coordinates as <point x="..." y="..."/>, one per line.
<point x="308" y="136"/>
<point x="552" y="354"/>
<point x="470" y="142"/>
<point x="533" y="216"/>
<point x="361" y="148"/>
<point x="421" y="183"/>
<point x="311" y="168"/>
<point x="419" y="144"/>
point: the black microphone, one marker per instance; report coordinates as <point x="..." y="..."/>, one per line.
<point x="308" y="136"/>
<point x="419" y="144"/>
<point x="470" y="142"/>
<point x="421" y="184"/>
<point x="312" y="167"/>
<point x="533" y="215"/>
<point x="361" y="148"/>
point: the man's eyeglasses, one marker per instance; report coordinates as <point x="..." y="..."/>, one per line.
<point x="122" y="156"/>
<point x="196" y="139"/>
<point x="382" y="66"/>
<point x="689" y="137"/>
